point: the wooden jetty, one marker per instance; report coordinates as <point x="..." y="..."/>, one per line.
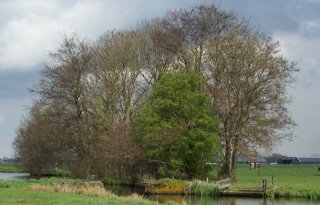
<point x="224" y="184"/>
<point x="252" y="193"/>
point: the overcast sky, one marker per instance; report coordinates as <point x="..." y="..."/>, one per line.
<point x="30" y="29"/>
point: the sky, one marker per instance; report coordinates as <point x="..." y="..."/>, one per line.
<point x="29" y="30"/>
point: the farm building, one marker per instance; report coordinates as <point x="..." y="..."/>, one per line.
<point x="306" y="160"/>
<point x="272" y="160"/>
<point x="299" y="160"/>
<point x="285" y="160"/>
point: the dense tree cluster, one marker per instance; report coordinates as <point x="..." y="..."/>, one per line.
<point x="161" y="99"/>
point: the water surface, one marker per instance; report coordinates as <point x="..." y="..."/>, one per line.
<point x="11" y="176"/>
<point x="193" y="200"/>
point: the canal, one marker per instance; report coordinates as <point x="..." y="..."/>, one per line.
<point x="194" y="200"/>
<point x="11" y="176"/>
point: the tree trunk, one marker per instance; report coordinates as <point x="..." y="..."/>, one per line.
<point x="229" y="164"/>
<point x="226" y="169"/>
<point x="83" y="168"/>
<point x="234" y="157"/>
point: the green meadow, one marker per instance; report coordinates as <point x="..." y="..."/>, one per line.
<point x="296" y="181"/>
<point x="12" y="168"/>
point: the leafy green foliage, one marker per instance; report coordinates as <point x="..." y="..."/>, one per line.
<point x="177" y="128"/>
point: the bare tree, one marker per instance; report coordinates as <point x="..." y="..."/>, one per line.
<point x="246" y="75"/>
<point x="66" y="83"/>
<point x="119" y="62"/>
<point x="186" y="33"/>
<point x="248" y="78"/>
<point x="118" y="88"/>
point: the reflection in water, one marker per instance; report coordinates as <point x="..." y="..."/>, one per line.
<point x="192" y="200"/>
<point x="165" y="198"/>
<point x="243" y="201"/>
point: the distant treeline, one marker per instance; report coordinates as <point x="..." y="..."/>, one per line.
<point x="7" y="160"/>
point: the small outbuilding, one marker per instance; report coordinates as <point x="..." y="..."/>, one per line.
<point x="285" y="160"/>
<point x="272" y="160"/>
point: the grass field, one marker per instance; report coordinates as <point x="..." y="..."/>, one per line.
<point x="33" y="192"/>
<point x="11" y="168"/>
<point x="20" y="168"/>
<point x="300" y="181"/>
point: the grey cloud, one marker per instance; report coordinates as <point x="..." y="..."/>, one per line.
<point x="305" y="52"/>
<point x="295" y="24"/>
<point x="305" y="109"/>
<point x="1" y="119"/>
<point x="275" y="15"/>
<point x="14" y="84"/>
<point x="29" y="29"/>
<point x="12" y="110"/>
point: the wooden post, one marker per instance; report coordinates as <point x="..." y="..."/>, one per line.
<point x="264" y="187"/>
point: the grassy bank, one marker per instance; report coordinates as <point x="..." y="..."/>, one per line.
<point x="12" y="168"/>
<point x="293" y="181"/>
<point x="55" y="191"/>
